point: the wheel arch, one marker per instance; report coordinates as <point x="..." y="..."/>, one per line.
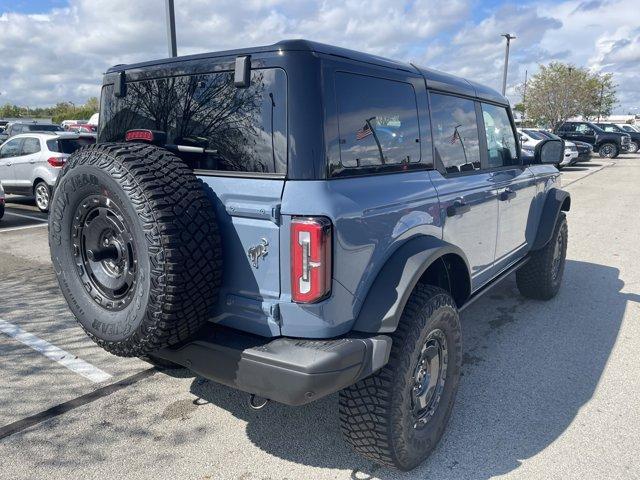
<point x="422" y="259"/>
<point x="557" y="201"/>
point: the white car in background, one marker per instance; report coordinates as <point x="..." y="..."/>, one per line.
<point x="530" y="137"/>
<point x="628" y="128"/>
<point x="30" y="162"/>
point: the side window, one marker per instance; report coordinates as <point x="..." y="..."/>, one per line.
<point x="455" y="133"/>
<point x="378" y="124"/>
<point x="583" y="128"/>
<point x="501" y="142"/>
<point x="30" y="145"/>
<point x="11" y="148"/>
<point x="567" y="127"/>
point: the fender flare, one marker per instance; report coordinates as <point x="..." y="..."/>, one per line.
<point x="395" y="281"/>
<point x="557" y="200"/>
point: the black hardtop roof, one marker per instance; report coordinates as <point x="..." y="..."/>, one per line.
<point x="435" y="79"/>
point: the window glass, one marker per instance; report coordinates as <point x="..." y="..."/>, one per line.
<point x="455" y="133"/>
<point x="241" y="129"/>
<point x="583" y="128"/>
<point x="69" y="145"/>
<point x="11" y="148"/>
<point x="30" y="146"/>
<point x="567" y="127"/>
<point x="39" y="127"/>
<point x="378" y="123"/>
<point x="536" y="135"/>
<point x="501" y="142"/>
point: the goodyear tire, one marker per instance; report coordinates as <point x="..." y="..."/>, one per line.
<point x="135" y="247"/>
<point x="396" y="416"/>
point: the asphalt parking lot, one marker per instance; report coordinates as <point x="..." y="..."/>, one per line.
<point x="549" y="389"/>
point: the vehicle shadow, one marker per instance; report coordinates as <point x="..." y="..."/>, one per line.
<point x="529" y="367"/>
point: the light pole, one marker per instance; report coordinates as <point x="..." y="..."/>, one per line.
<point x="509" y="37"/>
<point x="171" y="28"/>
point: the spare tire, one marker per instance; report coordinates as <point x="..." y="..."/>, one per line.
<point x="135" y="246"/>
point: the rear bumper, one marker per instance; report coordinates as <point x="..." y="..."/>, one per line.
<point x="287" y="370"/>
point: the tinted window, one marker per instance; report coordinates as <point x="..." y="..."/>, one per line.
<point x="11" y="148"/>
<point x="241" y="129"/>
<point x="585" y="129"/>
<point x="536" y="135"/>
<point x="546" y="134"/>
<point x="41" y="128"/>
<point x="567" y="127"/>
<point x="501" y="142"/>
<point x="69" y="145"/>
<point x="378" y="123"/>
<point x="30" y="146"/>
<point x="455" y="133"/>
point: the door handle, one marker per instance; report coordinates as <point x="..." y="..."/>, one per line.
<point x="458" y="208"/>
<point x="9" y="164"/>
<point x="507" y="194"/>
<point x="32" y="161"/>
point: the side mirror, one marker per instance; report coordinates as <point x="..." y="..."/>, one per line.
<point x="549" y="151"/>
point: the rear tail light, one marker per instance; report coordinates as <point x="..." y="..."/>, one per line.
<point x="56" y="161"/>
<point x="310" y="259"/>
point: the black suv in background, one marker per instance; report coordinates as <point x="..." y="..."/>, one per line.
<point x="26" y="127"/>
<point x="635" y="136"/>
<point x="606" y="144"/>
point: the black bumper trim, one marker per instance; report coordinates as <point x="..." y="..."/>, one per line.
<point x="288" y="370"/>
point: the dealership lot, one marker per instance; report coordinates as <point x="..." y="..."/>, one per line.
<point x="549" y="389"/>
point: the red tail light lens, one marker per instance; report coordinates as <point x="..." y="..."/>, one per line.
<point x="56" y="161"/>
<point x="310" y="259"/>
<point x="139" y="135"/>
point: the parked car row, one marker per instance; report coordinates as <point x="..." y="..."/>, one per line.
<point x="607" y="143"/>
<point x="574" y="152"/>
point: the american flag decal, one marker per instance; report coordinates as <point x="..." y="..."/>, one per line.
<point x="364" y="132"/>
<point x="455" y="137"/>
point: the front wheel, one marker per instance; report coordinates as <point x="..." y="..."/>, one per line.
<point x="42" y="192"/>
<point x="608" y="150"/>
<point x="633" y="147"/>
<point x="397" y="416"/>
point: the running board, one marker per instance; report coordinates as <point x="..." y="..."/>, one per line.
<point x="498" y="279"/>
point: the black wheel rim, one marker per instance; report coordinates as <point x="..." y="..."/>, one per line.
<point x="607" y="150"/>
<point x="104" y="252"/>
<point x="557" y="257"/>
<point x="429" y="378"/>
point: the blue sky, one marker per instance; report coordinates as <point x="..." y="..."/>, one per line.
<point x="60" y="48"/>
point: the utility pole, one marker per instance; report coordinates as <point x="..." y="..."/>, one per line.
<point x="524" y="96"/>
<point x="171" y="28"/>
<point x="600" y="104"/>
<point x="509" y="37"/>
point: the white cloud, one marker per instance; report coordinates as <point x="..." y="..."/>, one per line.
<point x="61" y="54"/>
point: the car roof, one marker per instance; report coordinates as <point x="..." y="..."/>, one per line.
<point x="51" y="135"/>
<point x="435" y="79"/>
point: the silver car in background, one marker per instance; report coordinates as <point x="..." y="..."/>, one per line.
<point x="30" y="162"/>
<point x="2" y="200"/>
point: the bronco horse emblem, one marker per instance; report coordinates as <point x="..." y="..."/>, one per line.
<point x="258" y="251"/>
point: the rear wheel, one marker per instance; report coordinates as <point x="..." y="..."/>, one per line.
<point x="397" y="416"/>
<point x="42" y="193"/>
<point x="135" y="246"/>
<point x="541" y="276"/>
<point x="608" y="150"/>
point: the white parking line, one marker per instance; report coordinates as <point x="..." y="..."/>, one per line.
<point x="22" y="215"/>
<point x="13" y="229"/>
<point x="54" y="353"/>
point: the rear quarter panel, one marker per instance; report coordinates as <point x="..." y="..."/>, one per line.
<point x="371" y="216"/>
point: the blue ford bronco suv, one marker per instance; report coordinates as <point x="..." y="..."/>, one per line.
<point x="297" y="220"/>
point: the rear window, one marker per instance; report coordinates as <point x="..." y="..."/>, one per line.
<point x="68" y="145"/>
<point x="378" y="125"/>
<point x="535" y="134"/>
<point x="42" y="128"/>
<point x="241" y="129"/>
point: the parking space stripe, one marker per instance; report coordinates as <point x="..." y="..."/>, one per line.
<point x="13" y="229"/>
<point x="54" y="353"/>
<point x="22" y="215"/>
<point x="65" y="407"/>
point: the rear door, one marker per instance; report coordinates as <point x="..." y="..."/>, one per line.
<point x="235" y="140"/>
<point x="25" y="165"/>
<point x="514" y="183"/>
<point x="464" y="187"/>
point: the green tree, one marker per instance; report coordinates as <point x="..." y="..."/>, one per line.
<point x="560" y="91"/>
